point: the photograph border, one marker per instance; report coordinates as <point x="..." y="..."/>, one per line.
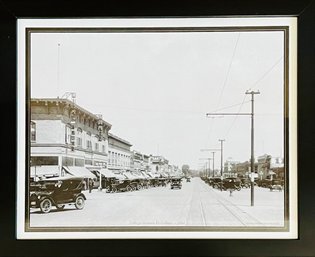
<point x="166" y="29"/>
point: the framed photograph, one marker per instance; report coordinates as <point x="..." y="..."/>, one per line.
<point x="157" y="128"/>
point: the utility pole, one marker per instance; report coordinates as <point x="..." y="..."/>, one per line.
<point x="252" y="93"/>
<point x="211" y="158"/>
<point x="252" y="158"/>
<point x="206" y="164"/>
<point x="221" y="141"/>
<point x="213" y="164"/>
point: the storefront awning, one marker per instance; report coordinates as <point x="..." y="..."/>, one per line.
<point x="81" y="172"/>
<point x="110" y="174"/>
<point x="45" y="171"/>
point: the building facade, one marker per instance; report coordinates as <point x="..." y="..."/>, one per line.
<point x="158" y="164"/>
<point x="140" y="161"/>
<point x="230" y="167"/>
<point x="64" y="134"/>
<point x="119" y="153"/>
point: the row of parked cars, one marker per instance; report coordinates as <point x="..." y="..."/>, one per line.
<point x="60" y="191"/>
<point x="233" y="183"/>
<point x="115" y="185"/>
<point x="226" y="183"/>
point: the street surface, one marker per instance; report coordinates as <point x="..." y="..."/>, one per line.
<point x="196" y="204"/>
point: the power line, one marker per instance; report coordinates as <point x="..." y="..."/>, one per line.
<point x="229" y="69"/>
<point x="235" y="118"/>
<point x="268" y="71"/>
<point x="225" y="82"/>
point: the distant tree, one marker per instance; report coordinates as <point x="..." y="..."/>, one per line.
<point x="185" y="169"/>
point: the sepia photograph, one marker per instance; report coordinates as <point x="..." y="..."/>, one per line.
<point x="157" y="126"/>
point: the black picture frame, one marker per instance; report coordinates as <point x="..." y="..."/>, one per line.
<point x="10" y="11"/>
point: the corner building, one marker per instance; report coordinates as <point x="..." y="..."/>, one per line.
<point x="64" y="134"/>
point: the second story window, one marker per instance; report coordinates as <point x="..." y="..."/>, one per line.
<point x="33" y="131"/>
<point x="79" y="137"/>
<point x="68" y="134"/>
<point x="89" y="144"/>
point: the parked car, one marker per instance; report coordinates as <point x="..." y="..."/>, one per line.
<point x="57" y="192"/>
<point x="264" y="183"/>
<point x="276" y="185"/>
<point x="231" y="184"/>
<point x="176" y="183"/>
<point x="216" y="183"/>
<point x="245" y="183"/>
<point x="162" y="182"/>
<point x="121" y="186"/>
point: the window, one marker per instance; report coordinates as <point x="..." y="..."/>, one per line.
<point x="33" y="131"/>
<point x="79" y="162"/>
<point x="88" y="162"/>
<point x="67" y="161"/>
<point x="68" y="134"/>
<point x="89" y="144"/>
<point x="44" y="160"/>
<point x="96" y="147"/>
<point x="103" y="148"/>
<point x="79" y="142"/>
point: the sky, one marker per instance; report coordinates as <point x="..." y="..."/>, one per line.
<point x="156" y="88"/>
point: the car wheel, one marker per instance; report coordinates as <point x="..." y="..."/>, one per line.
<point x="60" y="206"/>
<point x="45" y="205"/>
<point x="114" y="190"/>
<point x="79" y="202"/>
<point x="129" y="188"/>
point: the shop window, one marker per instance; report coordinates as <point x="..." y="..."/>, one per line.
<point x="79" y="162"/>
<point x="88" y="162"/>
<point x="67" y="161"/>
<point x="44" y="160"/>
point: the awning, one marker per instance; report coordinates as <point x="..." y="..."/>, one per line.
<point x="111" y="174"/>
<point x="45" y="171"/>
<point x="131" y="176"/>
<point x="81" y="172"/>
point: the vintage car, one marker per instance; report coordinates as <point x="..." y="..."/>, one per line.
<point x="57" y="192"/>
<point x="276" y="185"/>
<point x="215" y="183"/>
<point x="245" y="183"/>
<point x="176" y="183"/>
<point x="122" y="186"/>
<point x="162" y="182"/>
<point x="231" y="184"/>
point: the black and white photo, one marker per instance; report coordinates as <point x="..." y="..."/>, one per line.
<point x="160" y="128"/>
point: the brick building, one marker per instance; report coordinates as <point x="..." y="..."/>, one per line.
<point x="63" y="133"/>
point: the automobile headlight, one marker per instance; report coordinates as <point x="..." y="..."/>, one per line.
<point x="38" y="197"/>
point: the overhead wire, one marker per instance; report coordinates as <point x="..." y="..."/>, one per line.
<point x="223" y="87"/>
<point x="260" y="79"/>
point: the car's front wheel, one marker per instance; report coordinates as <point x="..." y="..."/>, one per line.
<point x="45" y="205"/>
<point x="79" y="202"/>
